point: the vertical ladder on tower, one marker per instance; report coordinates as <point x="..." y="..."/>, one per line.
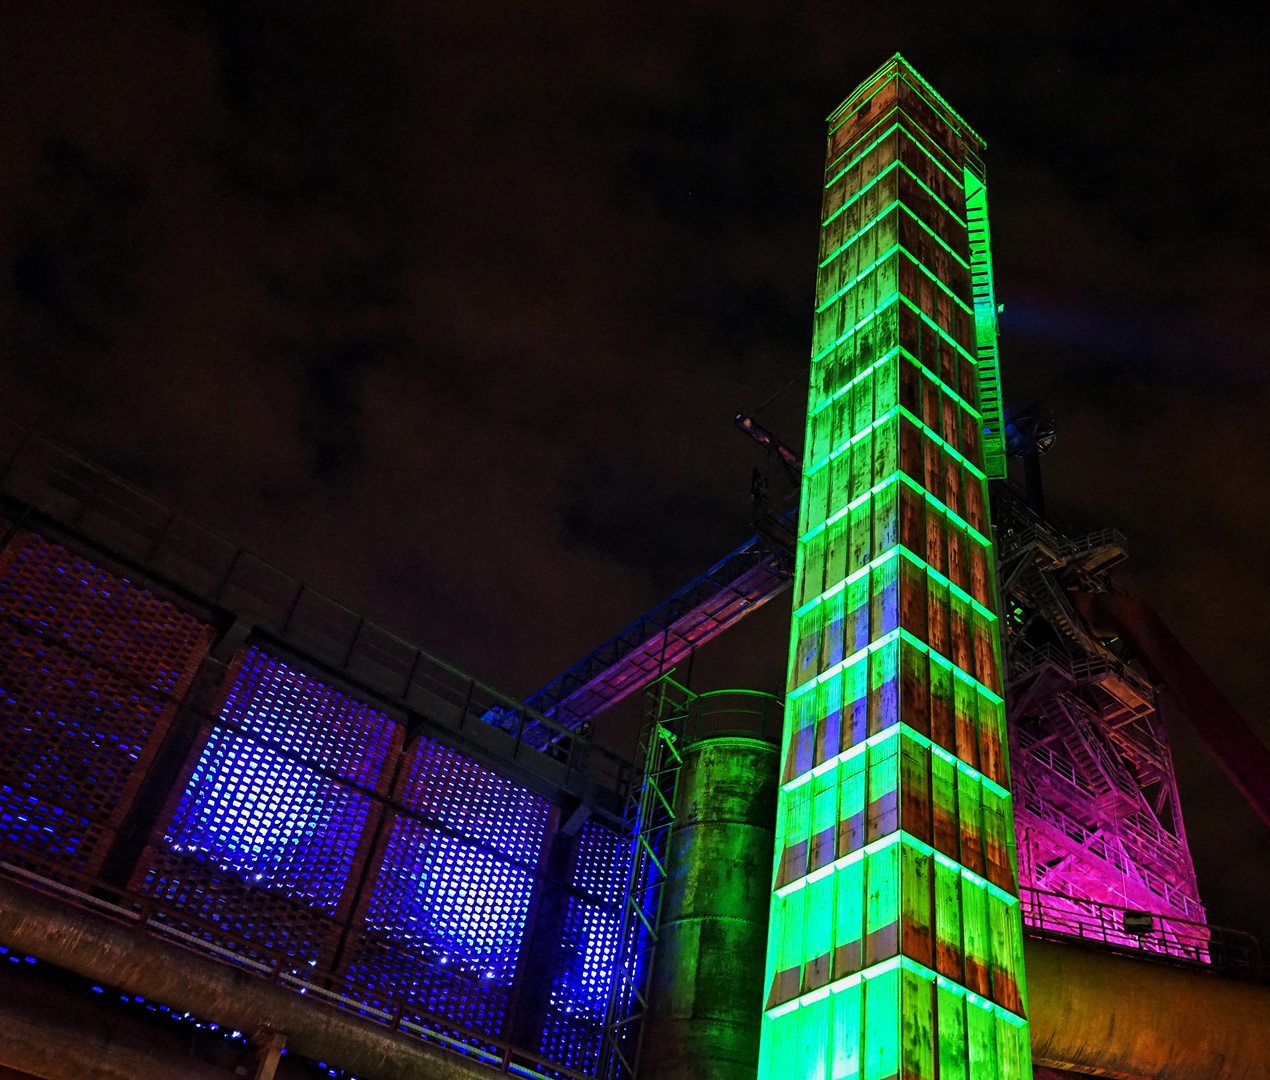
<point x="983" y="293"/>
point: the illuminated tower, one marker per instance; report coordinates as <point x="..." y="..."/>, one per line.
<point x="895" y="946"/>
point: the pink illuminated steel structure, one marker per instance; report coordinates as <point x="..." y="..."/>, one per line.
<point x="1096" y="802"/>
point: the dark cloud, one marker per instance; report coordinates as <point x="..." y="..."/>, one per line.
<point x="312" y="144"/>
<point x="78" y="241"/>
<point x="307" y="102"/>
<point x="448" y="307"/>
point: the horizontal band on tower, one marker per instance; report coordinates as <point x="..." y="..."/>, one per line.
<point x="921" y="425"/>
<point x="898" y="837"/>
<point x="886" y="210"/>
<point x="895" y="552"/>
<point x="898" y="634"/>
<point x="893" y="732"/>
<point x="889" y="965"/>
<point x="898" y="125"/>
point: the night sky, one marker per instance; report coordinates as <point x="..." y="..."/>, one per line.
<point x="447" y="307"/>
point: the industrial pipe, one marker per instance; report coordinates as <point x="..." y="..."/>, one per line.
<point x="58" y="1032"/>
<point x="1216" y="723"/>
<point x="123" y="957"/>
<point x="1110" y="1015"/>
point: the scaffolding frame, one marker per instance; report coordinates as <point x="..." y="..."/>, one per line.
<point x="649" y="818"/>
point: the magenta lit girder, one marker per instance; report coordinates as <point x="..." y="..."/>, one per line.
<point x="732" y="588"/>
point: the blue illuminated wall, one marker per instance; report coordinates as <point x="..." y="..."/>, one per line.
<point x="454" y="888"/>
<point x="589" y="950"/>
<point x="255" y="804"/>
<point x="92" y="670"/>
<point x="303" y="821"/>
<point x="437" y="888"/>
<point x="265" y="835"/>
<point x="292" y="796"/>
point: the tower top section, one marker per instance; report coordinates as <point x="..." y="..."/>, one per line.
<point x="897" y="85"/>
<point x="896" y="121"/>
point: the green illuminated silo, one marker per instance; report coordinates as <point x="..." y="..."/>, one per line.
<point x="706" y="996"/>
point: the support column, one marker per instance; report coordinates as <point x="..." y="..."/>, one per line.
<point x="530" y="999"/>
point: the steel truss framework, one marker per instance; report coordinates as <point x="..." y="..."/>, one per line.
<point x="1096" y="802"/>
<point x="732" y="588"/>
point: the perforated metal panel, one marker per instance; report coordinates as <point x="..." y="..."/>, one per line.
<point x="451" y="919"/>
<point x="589" y="950"/>
<point x="281" y="835"/>
<point x="452" y="902"/>
<point x="454" y="790"/>
<point x="92" y="670"/>
<point x="601" y="863"/>
<point x="264" y="838"/>
<point x="298" y="714"/>
<point x="275" y="822"/>
<point x="48" y="588"/>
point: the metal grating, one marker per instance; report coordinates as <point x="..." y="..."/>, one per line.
<point x="589" y="953"/>
<point x="454" y="790"/>
<point x="272" y="821"/>
<point x="230" y="913"/>
<point x="455" y="916"/>
<point x="264" y="837"/>
<point x="91" y="672"/>
<point x="458" y="905"/>
<point x="49" y="589"/>
<point x="299" y="715"/>
<point x="447" y="916"/>
<point x="601" y="865"/>
<point x="298" y="840"/>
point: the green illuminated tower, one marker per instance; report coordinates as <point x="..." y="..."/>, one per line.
<point x="895" y="947"/>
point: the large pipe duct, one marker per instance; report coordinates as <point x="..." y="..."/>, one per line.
<point x="1096" y="1012"/>
<point x="706" y="998"/>
<point x="1216" y="723"/>
<point x="101" y="949"/>
<point x="51" y="1028"/>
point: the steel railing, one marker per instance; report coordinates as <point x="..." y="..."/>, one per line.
<point x="1163" y="936"/>
<point x="43" y="481"/>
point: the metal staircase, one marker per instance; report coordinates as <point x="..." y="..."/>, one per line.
<point x="1095" y="799"/>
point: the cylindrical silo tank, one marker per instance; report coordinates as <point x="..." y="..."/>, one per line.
<point x="705" y="1000"/>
